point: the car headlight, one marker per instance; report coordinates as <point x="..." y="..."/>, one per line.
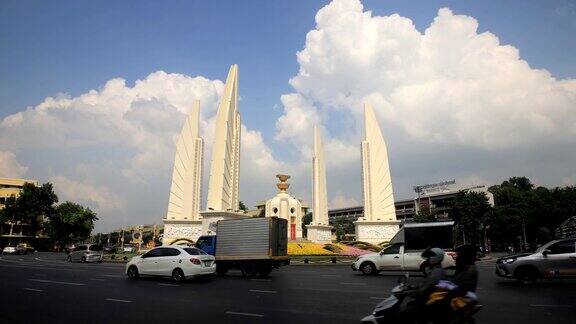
<point x="509" y="260"/>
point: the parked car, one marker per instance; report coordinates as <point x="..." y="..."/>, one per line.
<point x="27" y="247"/>
<point x="14" y="249"/>
<point x="128" y="248"/>
<point x="86" y="253"/>
<point x="555" y="259"/>
<point x="177" y="262"/>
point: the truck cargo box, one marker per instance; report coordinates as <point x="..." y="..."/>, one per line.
<point x="252" y="238"/>
<point x="419" y="236"/>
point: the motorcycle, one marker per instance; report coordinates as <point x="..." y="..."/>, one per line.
<point x="442" y="306"/>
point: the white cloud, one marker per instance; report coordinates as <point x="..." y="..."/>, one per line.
<point x="80" y="191"/>
<point x="450" y="84"/>
<point x="113" y="148"/>
<point x="9" y="166"/>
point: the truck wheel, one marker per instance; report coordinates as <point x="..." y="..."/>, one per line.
<point x="368" y="268"/>
<point x="264" y="270"/>
<point x="221" y="269"/>
<point x="249" y="269"/>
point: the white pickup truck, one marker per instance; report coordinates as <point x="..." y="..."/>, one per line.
<point x="403" y="253"/>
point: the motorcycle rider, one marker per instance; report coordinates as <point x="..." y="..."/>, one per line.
<point x="466" y="276"/>
<point x="415" y="309"/>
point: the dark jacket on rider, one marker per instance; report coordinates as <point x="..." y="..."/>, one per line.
<point x="466" y="278"/>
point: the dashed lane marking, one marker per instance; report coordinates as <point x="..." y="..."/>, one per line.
<point x="168" y="285"/>
<point x="267" y="280"/>
<point x="330" y="275"/>
<point x="33" y="289"/>
<point x="97" y="279"/>
<point x="118" y="300"/>
<point x="111" y="276"/>
<point x="353" y="283"/>
<point x="263" y="291"/>
<point x="244" y="314"/>
<point x="58" y="282"/>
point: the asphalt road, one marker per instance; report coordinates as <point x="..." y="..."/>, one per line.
<point x="44" y="288"/>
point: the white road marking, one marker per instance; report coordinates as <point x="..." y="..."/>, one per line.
<point x="118" y="300"/>
<point x="168" y="285"/>
<point x="380" y="298"/>
<point x="263" y="291"/>
<point x="353" y="283"/>
<point x="112" y="276"/>
<point x="330" y="275"/>
<point x="97" y="279"/>
<point x="537" y="305"/>
<point x="58" y="282"/>
<point x="260" y="279"/>
<point x="32" y="289"/>
<point x="244" y="314"/>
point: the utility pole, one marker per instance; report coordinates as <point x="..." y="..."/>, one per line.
<point x="525" y="240"/>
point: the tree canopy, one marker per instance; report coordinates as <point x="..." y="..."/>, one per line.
<point x="72" y="222"/>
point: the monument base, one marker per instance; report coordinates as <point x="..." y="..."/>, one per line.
<point x="210" y="219"/>
<point x="175" y="230"/>
<point x="376" y="232"/>
<point x="319" y="233"/>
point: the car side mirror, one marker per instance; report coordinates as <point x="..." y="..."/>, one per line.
<point x="546" y="252"/>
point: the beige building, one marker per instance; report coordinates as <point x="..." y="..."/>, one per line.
<point x="13" y="232"/>
<point x="11" y="187"/>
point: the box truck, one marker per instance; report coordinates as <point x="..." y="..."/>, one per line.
<point x="253" y="245"/>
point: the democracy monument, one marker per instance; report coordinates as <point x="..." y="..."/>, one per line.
<point x="185" y="220"/>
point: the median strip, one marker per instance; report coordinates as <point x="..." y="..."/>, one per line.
<point x="245" y="314"/>
<point x="58" y="282"/>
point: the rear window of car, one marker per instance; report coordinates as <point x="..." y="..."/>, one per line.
<point x="194" y="251"/>
<point x="96" y="248"/>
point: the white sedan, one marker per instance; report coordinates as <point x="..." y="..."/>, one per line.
<point x="177" y="262"/>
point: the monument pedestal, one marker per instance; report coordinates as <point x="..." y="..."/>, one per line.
<point x="319" y="233"/>
<point x="210" y="219"/>
<point x="376" y="231"/>
<point x="181" y="229"/>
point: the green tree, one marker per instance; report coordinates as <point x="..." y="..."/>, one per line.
<point x="241" y="206"/>
<point x="306" y="220"/>
<point x="35" y="204"/>
<point x="425" y="216"/>
<point x="343" y="226"/>
<point x="72" y="222"/>
<point x="472" y="213"/>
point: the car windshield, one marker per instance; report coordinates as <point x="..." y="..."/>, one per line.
<point x="543" y="247"/>
<point x="194" y="251"/>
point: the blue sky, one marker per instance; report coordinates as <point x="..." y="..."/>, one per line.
<point x="51" y="47"/>
<point x="488" y="92"/>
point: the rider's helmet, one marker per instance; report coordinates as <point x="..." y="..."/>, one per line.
<point x="434" y="255"/>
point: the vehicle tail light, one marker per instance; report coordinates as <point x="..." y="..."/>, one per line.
<point x="195" y="261"/>
<point x="454" y="255"/>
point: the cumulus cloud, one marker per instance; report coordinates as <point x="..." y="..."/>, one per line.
<point x="9" y="166"/>
<point x="113" y="148"/>
<point x="79" y="191"/>
<point x="449" y="84"/>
